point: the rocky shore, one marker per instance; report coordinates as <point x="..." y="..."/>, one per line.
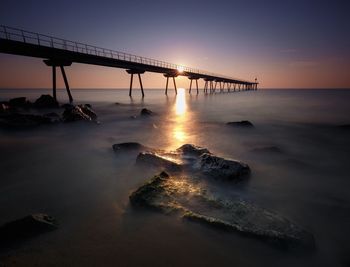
<point x="19" y="113"/>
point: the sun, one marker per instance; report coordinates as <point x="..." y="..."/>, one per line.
<point x="180" y="69"/>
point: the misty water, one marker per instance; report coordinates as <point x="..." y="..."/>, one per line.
<point x="71" y="172"/>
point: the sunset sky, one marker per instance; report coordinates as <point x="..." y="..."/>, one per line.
<point x="285" y="44"/>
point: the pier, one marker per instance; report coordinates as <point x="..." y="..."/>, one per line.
<point x="57" y="52"/>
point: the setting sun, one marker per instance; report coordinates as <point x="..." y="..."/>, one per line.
<point x="180" y="69"/>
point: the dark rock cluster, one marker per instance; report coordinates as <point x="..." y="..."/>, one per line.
<point x="21" y="113"/>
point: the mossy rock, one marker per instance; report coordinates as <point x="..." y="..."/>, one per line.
<point x="192" y="201"/>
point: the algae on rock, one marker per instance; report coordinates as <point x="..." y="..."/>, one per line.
<point x="193" y="202"/>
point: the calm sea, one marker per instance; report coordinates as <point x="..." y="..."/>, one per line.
<point x="71" y="172"/>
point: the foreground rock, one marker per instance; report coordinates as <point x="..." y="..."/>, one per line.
<point x="242" y="124"/>
<point x="26" y="227"/>
<point x="79" y="113"/>
<point x="46" y="101"/>
<point x="190" y="201"/>
<point x="193" y="158"/>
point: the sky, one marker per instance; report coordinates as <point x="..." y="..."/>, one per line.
<point x="285" y="44"/>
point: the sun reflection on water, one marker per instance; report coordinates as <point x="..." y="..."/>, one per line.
<point x="180" y="104"/>
<point x="179" y="133"/>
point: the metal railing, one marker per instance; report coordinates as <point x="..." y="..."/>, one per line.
<point x="19" y="35"/>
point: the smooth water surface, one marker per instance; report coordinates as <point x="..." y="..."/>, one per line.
<point x="71" y="172"/>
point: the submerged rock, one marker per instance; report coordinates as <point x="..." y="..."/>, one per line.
<point x="193" y="202"/>
<point x="17" y="120"/>
<point x="79" y="113"/>
<point x="19" y="102"/>
<point x="27" y="227"/>
<point x="46" y="101"/>
<point x="245" y="124"/>
<point x="146" y="112"/>
<point x="221" y="168"/>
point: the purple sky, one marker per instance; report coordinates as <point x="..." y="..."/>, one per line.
<point x="285" y="44"/>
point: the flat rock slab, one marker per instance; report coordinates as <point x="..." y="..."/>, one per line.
<point x="189" y="200"/>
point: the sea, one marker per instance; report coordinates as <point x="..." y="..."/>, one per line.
<point x="298" y="154"/>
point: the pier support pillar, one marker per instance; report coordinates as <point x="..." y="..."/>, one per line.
<point x="53" y="63"/>
<point x="209" y="85"/>
<point x="175" y="85"/>
<point x="166" y="87"/>
<point x="131" y="79"/>
<point x="54" y="82"/>
<point x="192" y="77"/>
<point x="170" y="75"/>
<point x="66" y="84"/>
<point x="138" y="72"/>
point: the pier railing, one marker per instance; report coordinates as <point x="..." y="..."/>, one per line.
<point x="14" y="34"/>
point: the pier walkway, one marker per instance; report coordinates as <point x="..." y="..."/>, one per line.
<point x="61" y="53"/>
